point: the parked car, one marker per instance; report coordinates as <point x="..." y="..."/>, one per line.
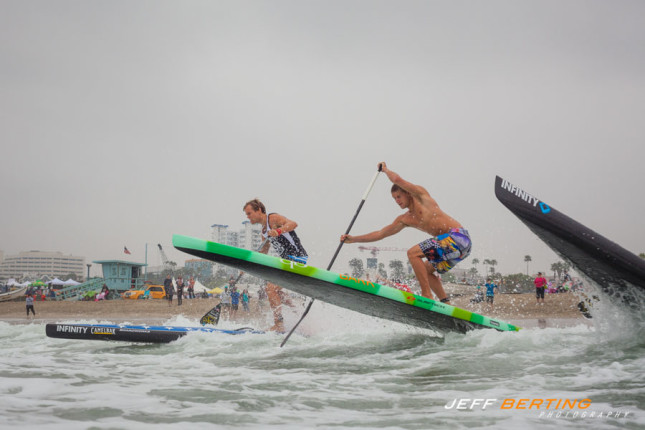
<point x="149" y="292"/>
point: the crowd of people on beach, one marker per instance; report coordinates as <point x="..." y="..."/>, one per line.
<point x="542" y="287"/>
<point x="231" y="297"/>
<point x="41" y="294"/>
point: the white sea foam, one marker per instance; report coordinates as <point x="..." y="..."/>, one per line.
<point x="343" y="370"/>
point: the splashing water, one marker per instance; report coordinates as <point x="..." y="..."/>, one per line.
<point x="350" y="371"/>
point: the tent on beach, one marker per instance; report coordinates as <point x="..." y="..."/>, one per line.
<point x="70" y="282"/>
<point x="199" y="287"/>
<point x="55" y="281"/>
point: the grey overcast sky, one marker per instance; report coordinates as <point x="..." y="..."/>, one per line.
<point x="124" y="122"/>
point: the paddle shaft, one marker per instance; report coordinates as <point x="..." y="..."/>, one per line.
<point x="340" y="245"/>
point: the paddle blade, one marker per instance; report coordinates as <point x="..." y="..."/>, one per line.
<point x="211" y="317"/>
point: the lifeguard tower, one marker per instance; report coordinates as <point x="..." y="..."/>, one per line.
<point x="121" y="275"/>
<point x="118" y="275"/>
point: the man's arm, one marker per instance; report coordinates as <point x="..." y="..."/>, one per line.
<point x="396" y="179"/>
<point x="386" y="231"/>
<point x="279" y="222"/>
<point x="265" y="248"/>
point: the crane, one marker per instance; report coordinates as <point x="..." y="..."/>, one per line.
<point x="164" y="259"/>
<point x="375" y="249"/>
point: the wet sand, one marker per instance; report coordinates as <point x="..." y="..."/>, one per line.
<point x="520" y="309"/>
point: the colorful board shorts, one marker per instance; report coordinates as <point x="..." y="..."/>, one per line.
<point x="446" y="250"/>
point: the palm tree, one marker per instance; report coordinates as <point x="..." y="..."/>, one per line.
<point x="557" y="268"/>
<point x="357" y="267"/>
<point x="527" y="258"/>
<point x="397" y="269"/>
<point x="486" y="262"/>
<point x="475" y="263"/>
<point x="381" y="270"/>
<point x="493" y="263"/>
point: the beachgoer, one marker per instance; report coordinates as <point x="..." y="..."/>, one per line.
<point x="191" y="287"/>
<point x="245" y="299"/>
<point x="262" y="296"/>
<point x="106" y="291"/>
<point x="450" y="245"/>
<point x="170" y="290"/>
<point x="280" y="233"/>
<point x="235" y="301"/>
<point x="479" y="296"/>
<point x="490" y="292"/>
<point x="225" y="301"/>
<point x="540" y="284"/>
<point x="30" y="305"/>
<point x="180" y="290"/>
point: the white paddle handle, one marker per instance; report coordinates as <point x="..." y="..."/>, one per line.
<point x="371" y="185"/>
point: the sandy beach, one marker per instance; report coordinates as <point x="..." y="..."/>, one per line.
<point x="520" y="309"/>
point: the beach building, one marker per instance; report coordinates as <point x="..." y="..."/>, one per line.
<point x="38" y="264"/>
<point x="202" y="268"/>
<point x="248" y="237"/>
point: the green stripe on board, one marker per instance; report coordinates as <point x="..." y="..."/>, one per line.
<point x="462" y="314"/>
<point x="375" y="289"/>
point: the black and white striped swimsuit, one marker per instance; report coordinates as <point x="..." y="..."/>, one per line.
<point x="287" y="245"/>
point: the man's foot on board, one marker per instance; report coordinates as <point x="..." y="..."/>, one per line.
<point x="278" y="328"/>
<point x="446" y="301"/>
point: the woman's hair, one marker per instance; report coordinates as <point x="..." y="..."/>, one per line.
<point x="255" y="205"/>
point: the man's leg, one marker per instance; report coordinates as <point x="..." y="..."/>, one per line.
<point x="424" y="271"/>
<point x="537" y="296"/>
<point x="275" y="302"/>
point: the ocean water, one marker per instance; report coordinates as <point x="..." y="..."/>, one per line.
<point x="349" y="371"/>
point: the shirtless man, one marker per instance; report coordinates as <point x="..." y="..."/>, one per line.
<point x="280" y="233"/>
<point x="450" y="244"/>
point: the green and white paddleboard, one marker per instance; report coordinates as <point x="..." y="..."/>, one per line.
<point x="359" y="295"/>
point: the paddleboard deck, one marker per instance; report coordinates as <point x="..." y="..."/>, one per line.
<point x="132" y="333"/>
<point x="359" y="295"/>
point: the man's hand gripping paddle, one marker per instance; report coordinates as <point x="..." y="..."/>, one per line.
<point x="360" y="206"/>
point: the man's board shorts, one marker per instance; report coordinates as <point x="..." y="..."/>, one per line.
<point x="539" y="292"/>
<point x="490" y="299"/>
<point x="446" y="250"/>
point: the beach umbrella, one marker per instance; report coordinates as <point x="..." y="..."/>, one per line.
<point x="216" y="290"/>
